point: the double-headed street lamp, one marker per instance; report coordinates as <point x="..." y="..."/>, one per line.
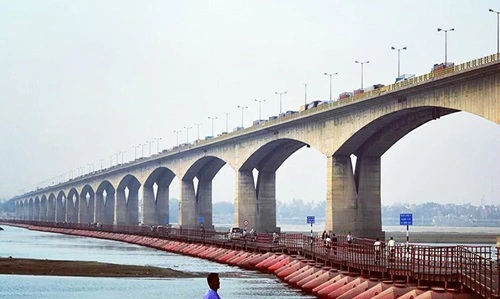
<point x="330" y="74"/>
<point x="135" y="151"/>
<point x="177" y="136"/>
<point x="446" y="44"/>
<point x="213" y="118"/>
<point x="498" y="28"/>
<point x="305" y="93"/>
<point x="242" y="108"/>
<point x="281" y="94"/>
<point x="187" y="133"/>
<point x="198" y="126"/>
<point x="399" y="58"/>
<point x="362" y="62"/>
<point x="157" y="144"/>
<point x="260" y="106"/>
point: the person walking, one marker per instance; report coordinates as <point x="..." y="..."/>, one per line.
<point x="214" y="284"/>
<point x="377" y="246"/>
<point x="391" y="246"/>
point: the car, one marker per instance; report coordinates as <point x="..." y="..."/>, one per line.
<point x="235" y="233"/>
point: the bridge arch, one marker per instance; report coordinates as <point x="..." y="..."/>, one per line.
<point x="127" y="201"/>
<point x="61" y="203"/>
<point x="105" y="203"/>
<point x="51" y="207"/>
<point x="155" y="197"/>
<point x="31" y="208"/>
<point x="36" y="208"/>
<point x="86" y="205"/>
<point x="256" y="201"/>
<point x="196" y="196"/>
<point x="72" y="205"/>
<point x="43" y="208"/>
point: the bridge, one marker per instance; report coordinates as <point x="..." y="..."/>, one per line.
<point x="365" y="125"/>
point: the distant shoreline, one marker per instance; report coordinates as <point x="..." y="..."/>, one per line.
<point x="444" y="237"/>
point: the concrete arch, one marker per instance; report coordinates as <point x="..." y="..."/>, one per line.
<point x="36" y="209"/>
<point x="105" y="203"/>
<point x="155" y="205"/>
<point x="256" y="202"/>
<point x="86" y="205"/>
<point x="72" y="205"/>
<point x="196" y="205"/>
<point x="127" y="201"/>
<point x="51" y="207"/>
<point x="31" y="208"/>
<point x="61" y="207"/>
<point x="43" y="208"/>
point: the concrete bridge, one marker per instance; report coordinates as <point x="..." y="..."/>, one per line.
<point x="365" y="125"/>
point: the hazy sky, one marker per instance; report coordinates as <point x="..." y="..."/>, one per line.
<point x="83" y="80"/>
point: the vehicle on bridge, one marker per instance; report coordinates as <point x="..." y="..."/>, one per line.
<point x="235" y="233"/>
<point x="404" y="77"/>
<point x="441" y="66"/>
<point x="345" y="95"/>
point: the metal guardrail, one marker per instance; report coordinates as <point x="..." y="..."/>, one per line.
<point x="469" y="266"/>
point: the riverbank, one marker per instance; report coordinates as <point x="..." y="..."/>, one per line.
<point x="83" y="268"/>
<point x="445" y="237"/>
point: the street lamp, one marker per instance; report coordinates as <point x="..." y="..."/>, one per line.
<point x="187" y="133"/>
<point x="213" y="118"/>
<point x="227" y="122"/>
<point x="150" y="142"/>
<point x="498" y="28"/>
<point x="135" y="151"/>
<point x="362" y="62"/>
<point x="142" y="149"/>
<point x="260" y="106"/>
<point x="198" y="125"/>
<point x="330" y="74"/>
<point x="446" y="44"/>
<point x="122" y="155"/>
<point x="116" y="156"/>
<point x="242" y="108"/>
<point x="399" y="57"/>
<point x="280" y="93"/>
<point x="177" y="136"/>
<point x="157" y="144"/>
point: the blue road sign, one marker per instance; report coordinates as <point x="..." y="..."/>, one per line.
<point x="405" y="219"/>
<point x="201" y="219"/>
<point x="310" y="219"/>
<point x="166" y="220"/>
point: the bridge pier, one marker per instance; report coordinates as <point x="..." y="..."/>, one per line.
<point x="204" y="201"/>
<point x="71" y="215"/>
<point x="266" y="201"/>
<point x="353" y="198"/>
<point x="120" y="208"/>
<point x="155" y="211"/>
<point x="51" y="210"/>
<point x="60" y="209"/>
<point x="132" y="207"/>
<point x="188" y="211"/>
<point x="245" y="203"/>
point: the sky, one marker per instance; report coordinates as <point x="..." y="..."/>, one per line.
<point x="83" y="81"/>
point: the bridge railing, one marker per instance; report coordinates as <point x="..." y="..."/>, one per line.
<point x="471" y="266"/>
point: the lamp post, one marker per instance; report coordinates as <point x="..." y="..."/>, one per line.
<point x="90" y="167"/>
<point x="157" y="144"/>
<point x="187" y="133"/>
<point x="116" y="156"/>
<point x="399" y="58"/>
<point x="149" y="143"/>
<point x="227" y="122"/>
<point x="362" y="62"/>
<point x="330" y="74"/>
<point x="135" y="151"/>
<point x="446" y="44"/>
<point x="260" y="106"/>
<point x="177" y="136"/>
<point x="213" y="118"/>
<point x="100" y="160"/>
<point x="142" y="149"/>
<point x="122" y="155"/>
<point x="498" y="28"/>
<point x="242" y="108"/>
<point x="198" y="127"/>
<point x="281" y="94"/>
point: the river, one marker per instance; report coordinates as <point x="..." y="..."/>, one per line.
<point x="23" y="243"/>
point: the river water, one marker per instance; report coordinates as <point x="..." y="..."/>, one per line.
<point x="23" y="243"/>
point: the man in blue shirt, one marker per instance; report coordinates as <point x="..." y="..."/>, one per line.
<point x="214" y="284"/>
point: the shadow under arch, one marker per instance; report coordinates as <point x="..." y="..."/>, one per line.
<point x="51" y="207"/>
<point x="31" y="203"/>
<point x="127" y="201"/>
<point x="72" y="204"/>
<point x="86" y="205"/>
<point x="36" y="208"/>
<point x="353" y="200"/>
<point x="256" y="202"/>
<point x="105" y="203"/>
<point x="196" y="201"/>
<point x="43" y="208"/>
<point x="61" y="207"/>
<point x="155" y="198"/>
